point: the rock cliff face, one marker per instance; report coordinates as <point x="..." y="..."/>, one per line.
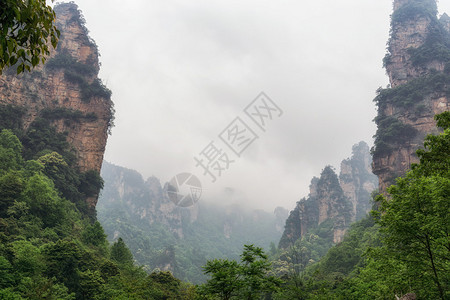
<point x="358" y="181"/>
<point x="419" y="71"/>
<point x="281" y="214"/>
<point x="145" y="202"/>
<point x="65" y="89"/>
<point x="126" y="191"/>
<point x="326" y="202"/>
<point x="406" y="34"/>
<point x="334" y="203"/>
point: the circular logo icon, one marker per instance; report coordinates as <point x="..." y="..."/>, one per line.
<point x="184" y="189"/>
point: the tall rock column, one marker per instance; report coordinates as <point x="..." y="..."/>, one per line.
<point x="326" y="205"/>
<point x="357" y="180"/>
<point x="334" y="202"/>
<point x="419" y="72"/>
<point x="408" y="32"/>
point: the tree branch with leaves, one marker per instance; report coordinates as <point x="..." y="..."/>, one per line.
<point x="27" y="29"/>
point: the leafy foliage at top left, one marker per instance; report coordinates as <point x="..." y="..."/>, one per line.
<point x="26" y="27"/>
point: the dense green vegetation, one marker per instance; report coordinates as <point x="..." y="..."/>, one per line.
<point x="64" y="60"/>
<point x="50" y="250"/>
<point x="304" y="278"/>
<point x="415" y="222"/>
<point x="11" y="117"/>
<point x="42" y="143"/>
<point x="249" y="279"/>
<point x="52" y="247"/>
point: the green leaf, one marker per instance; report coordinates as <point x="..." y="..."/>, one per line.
<point x="35" y="60"/>
<point x="13" y="60"/>
<point x="10" y="46"/>
<point x="21" y="53"/>
<point x="20" y="69"/>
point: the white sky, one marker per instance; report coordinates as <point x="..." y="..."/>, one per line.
<point x="181" y="71"/>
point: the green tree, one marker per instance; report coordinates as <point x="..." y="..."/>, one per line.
<point x="27" y="258"/>
<point x="248" y="279"/>
<point x="91" y="284"/>
<point x="435" y="158"/>
<point x="121" y="254"/>
<point x="6" y="276"/>
<point x="62" y="262"/>
<point x="254" y="271"/>
<point x="10" y="151"/>
<point x="26" y="28"/>
<point x="225" y="279"/>
<point x="109" y="269"/>
<point x="65" y="178"/>
<point x="9" y="294"/>
<point x="415" y="222"/>
<point x="91" y="183"/>
<point x="94" y="234"/>
<point x="11" y="187"/>
<point x="43" y="200"/>
<point x="44" y="288"/>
